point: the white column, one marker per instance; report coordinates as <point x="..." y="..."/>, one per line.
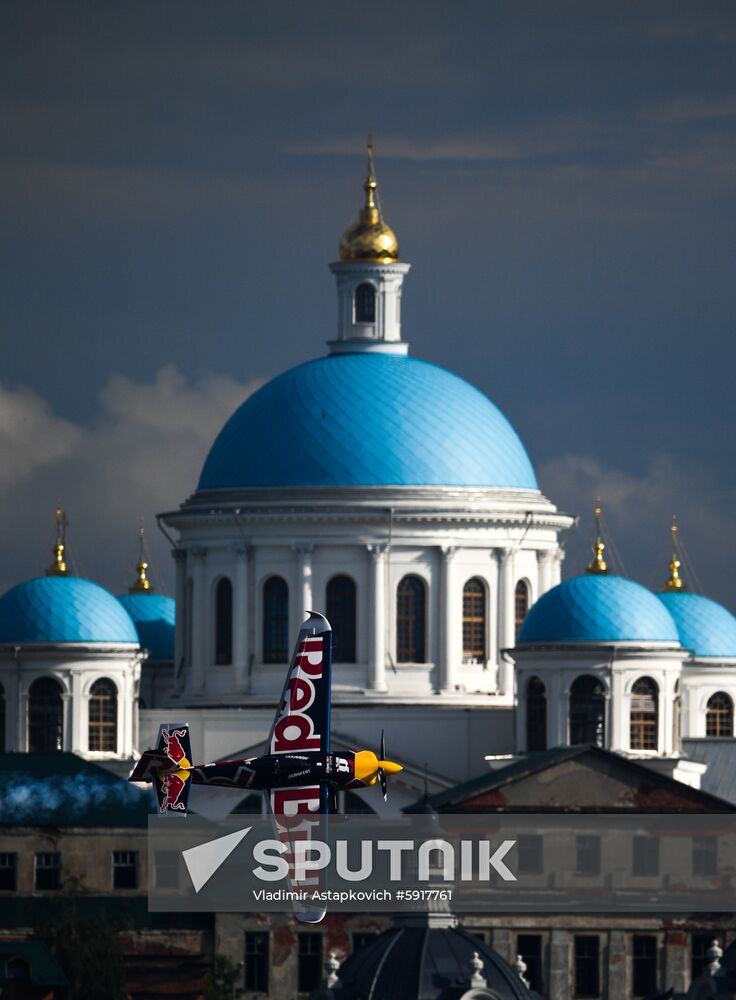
<point x="77" y="739"/>
<point x="556" y="574"/>
<point x="544" y="558"/>
<point x="377" y="618"/>
<point x="180" y="563"/>
<point x="506" y="637"/>
<point x="68" y="713"/>
<point x="303" y="592"/>
<point x="449" y="617"/>
<point x="493" y="656"/>
<point x="201" y="620"/>
<point x="240" y="619"/>
<point x="619" y="708"/>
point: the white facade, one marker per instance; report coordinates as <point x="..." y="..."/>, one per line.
<point x="75" y="667"/>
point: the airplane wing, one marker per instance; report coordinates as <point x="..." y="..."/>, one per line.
<point x="302" y="723"/>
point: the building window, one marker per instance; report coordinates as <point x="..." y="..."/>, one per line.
<point x="699" y="946"/>
<point x="521" y="606"/>
<point x="536" y="715"/>
<point x="2" y="718"/>
<point x="643" y="715"/>
<point x="341" y="603"/>
<point x="474" y="620"/>
<point x="587" y="711"/>
<point x="256" y="961"/>
<point x="365" y="303"/>
<point x="17" y="970"/>
<point x="8" y="872"/>
<point x="644" y="965"/>
<point x="705" y="856"/>
<point x="275" y="620"/>
<point x="587" y="968"/>
<point x="125" y="869"/>
<point x="362" y="938"/>
<point x="529" y="946"/>
<point x="719" y="715"/>
<point x="45" y="716"/>
<point x="310" y="962"/>
<point x="103" y="717"/>
<point x="410" y="620"/>
<point x="530" y="854"/>
<point x="224" y="622"/>
<point x="48" y="871"/>
<point x="645" y="856"/>
<point x="166" y="869"/>
<point x="588" y="855"/>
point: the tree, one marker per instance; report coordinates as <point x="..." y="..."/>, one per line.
<point x="221" y="982"/>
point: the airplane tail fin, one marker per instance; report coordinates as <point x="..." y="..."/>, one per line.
<point x="167" y="768"/>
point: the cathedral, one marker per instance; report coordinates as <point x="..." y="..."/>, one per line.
<point x="394" y="497"/>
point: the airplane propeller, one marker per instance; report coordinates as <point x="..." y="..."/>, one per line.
<point x="381" y="772"/>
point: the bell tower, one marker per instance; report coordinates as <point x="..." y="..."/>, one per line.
<point x="369" y="279"/>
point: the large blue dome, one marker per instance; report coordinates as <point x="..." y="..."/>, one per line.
<point x="704" y="626"/>
<point x="601" y="608"/>
<point x="367" y="420"/>
<point x="154" y="617"/>
<point x="63" y="609"/>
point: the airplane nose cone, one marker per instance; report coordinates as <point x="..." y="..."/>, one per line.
<point x="389" y="767"/>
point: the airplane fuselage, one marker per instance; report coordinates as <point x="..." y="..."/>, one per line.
<point x="281" y="771"/>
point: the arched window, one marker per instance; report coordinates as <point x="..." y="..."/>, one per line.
<point x="521" y="606"/>
<point x="2" y="718"/>
<point x="341" y="615"/>
<point x="474" y="620"/>
<point x="719" y="715"/>
<point x="587" y="711"/>
<point x="275" y="620"/>
<point x="410" y="620"/>
<point x="536" y="715"/>
<point x="224" y="622"/>
<point x="643" y="715"/>
<point x="103" y="716"/>
<point x="45" y="716"/>
<point x="365" y="303"/>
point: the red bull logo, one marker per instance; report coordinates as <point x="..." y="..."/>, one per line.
<point x="171" y="788"/>
<point x="172" y="743"/>
<point x="294" y="731"/>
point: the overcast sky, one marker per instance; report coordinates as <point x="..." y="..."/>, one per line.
<point x="174" y="179"/>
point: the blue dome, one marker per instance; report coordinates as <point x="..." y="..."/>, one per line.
<point x="63" y="609"/>
<point x="594" y="608"/>
<point x="367" y="420"/>
<point x="704" y="626"/>
<point x="154" y="617"/>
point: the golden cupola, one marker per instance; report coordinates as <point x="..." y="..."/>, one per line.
<point x="369" y="238"/>
<point x="599" y="565"/>
<point x="674" y="581"/>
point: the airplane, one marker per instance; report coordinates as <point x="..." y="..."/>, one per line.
<point x="299" y="773"/>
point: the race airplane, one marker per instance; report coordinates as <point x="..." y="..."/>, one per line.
<point x="298" y="771"/>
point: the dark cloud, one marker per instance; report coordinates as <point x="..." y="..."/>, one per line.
<point x="174" y="179"/>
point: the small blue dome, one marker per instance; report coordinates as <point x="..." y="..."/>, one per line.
<point x="595" y="608"/>
<point x="63" y="609"/>
<point x="154" y="617"/>
<point x="367" y="420"/>
<point x="706" y="627"/>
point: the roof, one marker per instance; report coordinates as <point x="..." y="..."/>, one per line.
<point x="43" y="967"/>
<point x="534" y="763"/>
<point x="61" y="789"/>
<point x="63" y="609"/>
<point x="154" y="617"/>
<point x="598" y="608"/>
<point x="720" y="756"/>
<point x="703" y="625"/>
<point x="423" y="962"/>
<point x="367" y="419"/>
